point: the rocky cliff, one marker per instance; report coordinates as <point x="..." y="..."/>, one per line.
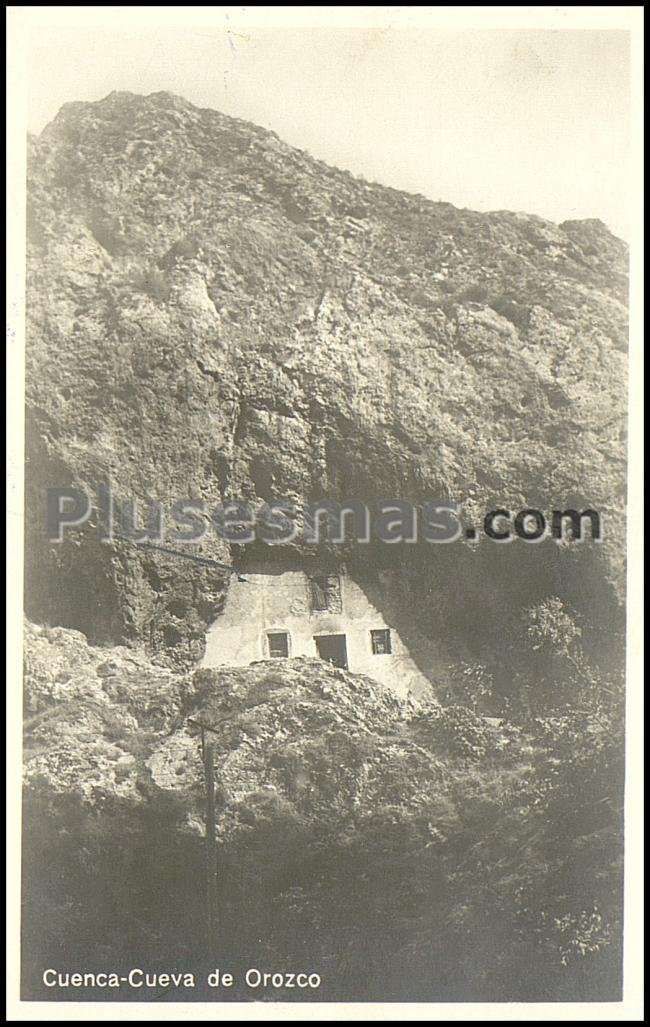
<point x="213" y="313"/>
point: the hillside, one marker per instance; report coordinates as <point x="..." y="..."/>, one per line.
<point x="213" y="313"/>
<point x="357" y="834"/>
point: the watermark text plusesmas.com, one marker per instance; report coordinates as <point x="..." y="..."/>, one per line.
<point x="283" y="521"/>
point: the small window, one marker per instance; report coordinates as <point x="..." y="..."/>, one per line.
<point x="278" y="643"/>
<point x="381" y="642"/>
<point x="326" y="593"/>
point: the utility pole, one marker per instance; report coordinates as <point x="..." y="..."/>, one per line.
<point x="210" y="831"/>
<point x="211" y="897"/>
<point x="207" y="753"/>
<point x="208" y="733"/>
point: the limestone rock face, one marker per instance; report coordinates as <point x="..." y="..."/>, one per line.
<point x="299" y="746"/>
<point x="213" y="313"/>
<point x="93" y="716"/>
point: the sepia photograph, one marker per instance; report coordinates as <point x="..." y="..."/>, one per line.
<point x="324" y="508"/>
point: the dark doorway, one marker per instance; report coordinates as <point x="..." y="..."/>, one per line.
<point x="333" y="649"/>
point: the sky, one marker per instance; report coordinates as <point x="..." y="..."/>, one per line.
<point x="490" y="119"/>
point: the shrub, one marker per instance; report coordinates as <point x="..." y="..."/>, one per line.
<point x="183" y="249"/>
<point x="473" y="294"/>
<point x="154" y="284"/>
<point x="517" y="315"/>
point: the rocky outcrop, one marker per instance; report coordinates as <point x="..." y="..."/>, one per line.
<point x="107" y="723"/>
<point x="305" y="755"/>
<point x="297" y="744"/>
<point x="358" y="834"/>
<point x="213" y="313"/>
